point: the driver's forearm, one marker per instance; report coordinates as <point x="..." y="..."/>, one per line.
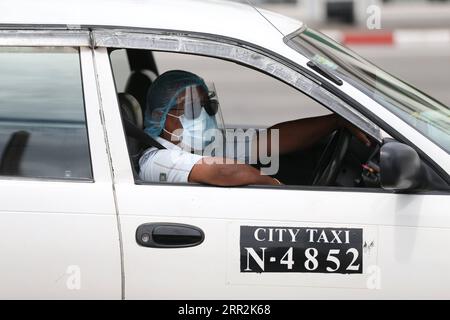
<point x="303" y="133"/>
<point x="228" y="175"/>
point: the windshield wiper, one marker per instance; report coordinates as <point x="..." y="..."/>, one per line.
<point x="324" y="72"/>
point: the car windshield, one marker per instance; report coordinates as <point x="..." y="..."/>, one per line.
<point x="424" y="113"/>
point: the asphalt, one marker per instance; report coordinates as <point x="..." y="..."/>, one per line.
<point x="425" y="67"/>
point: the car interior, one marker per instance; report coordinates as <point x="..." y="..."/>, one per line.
<point x="339" y="160"/>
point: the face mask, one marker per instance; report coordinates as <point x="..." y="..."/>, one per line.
<point x="194" y="130"/>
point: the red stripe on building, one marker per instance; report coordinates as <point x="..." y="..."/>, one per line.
<point x="384" y="38"/>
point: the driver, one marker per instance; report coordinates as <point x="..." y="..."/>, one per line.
<point x="179" y="109"/>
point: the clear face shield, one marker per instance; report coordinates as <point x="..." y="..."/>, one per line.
<point x="214" y="98"/>
<point x="200" y="116"/>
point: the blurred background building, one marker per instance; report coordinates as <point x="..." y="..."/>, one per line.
<point x="396" y="13"/>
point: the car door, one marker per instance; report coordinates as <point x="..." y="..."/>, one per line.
<point x="200" y="242"/>
<point x="58" y="226"/>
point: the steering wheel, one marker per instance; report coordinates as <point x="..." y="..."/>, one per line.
<point x="331" y="159"/>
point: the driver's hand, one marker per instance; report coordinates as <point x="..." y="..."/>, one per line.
<point x="278" y="182"/>
<point x="360" y="135"/>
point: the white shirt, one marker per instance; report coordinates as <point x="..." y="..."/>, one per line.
<point x="174" y="164"/>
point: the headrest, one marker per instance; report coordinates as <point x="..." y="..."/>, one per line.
<point x="138" y="83"/>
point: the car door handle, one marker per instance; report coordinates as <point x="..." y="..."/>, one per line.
<point x="168" y="235"/>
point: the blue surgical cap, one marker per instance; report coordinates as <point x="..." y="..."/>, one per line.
<point x="162" y="97"/>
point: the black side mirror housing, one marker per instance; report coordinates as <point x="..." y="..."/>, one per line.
<point x="400" y="167"/>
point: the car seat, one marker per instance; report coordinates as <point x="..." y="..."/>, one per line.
<point x="130" y="110"/>
<point x="138" y="84"/>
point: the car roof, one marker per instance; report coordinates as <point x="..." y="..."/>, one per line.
<point x="225" y="18"/>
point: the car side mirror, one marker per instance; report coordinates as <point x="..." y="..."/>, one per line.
<point x="400" y="167"/>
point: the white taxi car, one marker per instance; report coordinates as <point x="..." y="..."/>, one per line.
<point x="76" y="221"/>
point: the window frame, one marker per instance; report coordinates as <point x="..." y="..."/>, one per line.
<point x="250" y="57"/>
<point x="79" y="40"/>
<point x="392" y="125"/>
<point x="242" y="54"/>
